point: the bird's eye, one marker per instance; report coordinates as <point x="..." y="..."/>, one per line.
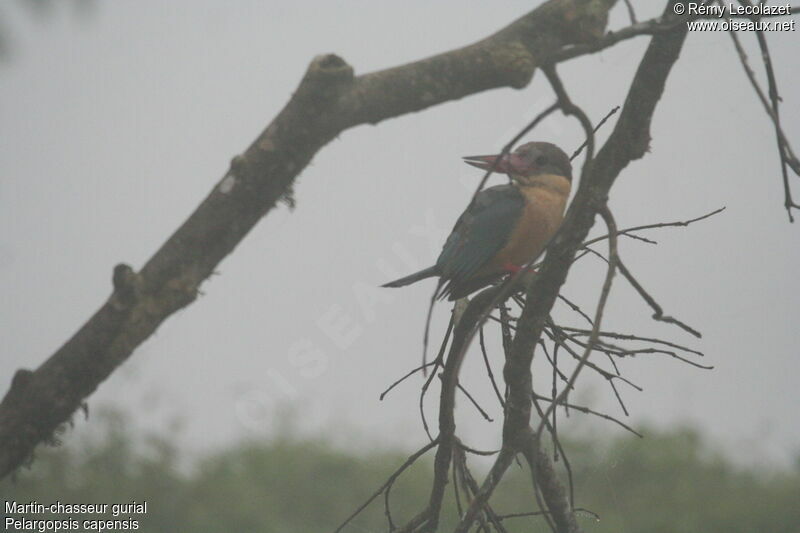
<point x="541" y="160"/>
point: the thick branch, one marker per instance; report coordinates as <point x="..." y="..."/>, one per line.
<point x="428" y="519"/>
<point x="544" y="477"/>
<point x="328" y="101"/>
<point x="629" y="141"/>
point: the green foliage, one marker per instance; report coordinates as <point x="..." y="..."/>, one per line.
<point x="669" y="482"/>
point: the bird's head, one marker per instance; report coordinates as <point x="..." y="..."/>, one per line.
<point x="527" y="162"/>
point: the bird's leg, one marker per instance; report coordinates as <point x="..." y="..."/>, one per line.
<point x="511" y="268"/>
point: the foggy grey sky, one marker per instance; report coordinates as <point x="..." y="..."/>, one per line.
<point x="117" y="124"/>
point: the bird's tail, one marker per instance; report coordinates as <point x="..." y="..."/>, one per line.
<point x="412" y="278"/>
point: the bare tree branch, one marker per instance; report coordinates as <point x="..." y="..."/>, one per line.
<point x="665" y="23"/>
<point x="596" y="321"/>
<point x="329" y="100"/>
<point x="386" y="487"/>
<point x="785" y="152"/>
<point x="428" y="518"/>
<point x="629" y="141"/>
<point x="545" y="478"/>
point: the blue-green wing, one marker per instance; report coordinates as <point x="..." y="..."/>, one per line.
<point x="480" y="232"/>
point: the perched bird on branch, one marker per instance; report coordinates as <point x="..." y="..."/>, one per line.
<point x="505" y="226"/>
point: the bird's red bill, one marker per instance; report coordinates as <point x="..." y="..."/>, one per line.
<point x="487" y="162"/>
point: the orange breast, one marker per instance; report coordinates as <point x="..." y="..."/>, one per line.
<point x="540" y="219"/>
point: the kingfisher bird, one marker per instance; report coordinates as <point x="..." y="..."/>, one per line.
<point x="505" y="226"/>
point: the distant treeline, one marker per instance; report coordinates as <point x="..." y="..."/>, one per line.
<point x="669" y="482"/>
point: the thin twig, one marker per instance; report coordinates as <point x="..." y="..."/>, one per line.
<point x="631" y="12"/>
<point x="658" y="312"/>
<point x="436" y="364"/>
<point x="786" y="153"/>
<point x="598" y="316"/>
<point x="539" y="513"/>
<point x="604" y="373"/>
<point x="509" y="145"/>
<point x="474" y="402"/>
<point x="489" y="366"/>
<point x="410" y="461"/>
<point x="599" y="125"/>
<point x="575" y="308"/>
<point x="680" y="223"/>
<point x="625" y="336"/>
<point x="587" y="411"/>
<point x="406" y="376"/>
